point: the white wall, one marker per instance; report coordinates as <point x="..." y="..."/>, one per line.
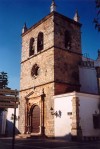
<point x="3" y="122"/>
<point x="88" y="80"/>
<point x="88" y="106"/>
<point x="63" y="123"/>
<point x="10" y="121"/>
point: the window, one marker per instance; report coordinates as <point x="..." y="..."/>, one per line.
<point x="40" y="41"/>
<point x="96" y="121"/>
<point x="35" y="71"/>
<point x="31" y="47"/>
<point x="67" y="40"/>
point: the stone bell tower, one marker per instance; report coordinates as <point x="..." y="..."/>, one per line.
<point x="51" y="53"/>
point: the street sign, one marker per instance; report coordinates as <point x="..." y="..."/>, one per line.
<point x="8" y="92"/>
<point x="8" y="98"/>
<point x="8" y="105"/>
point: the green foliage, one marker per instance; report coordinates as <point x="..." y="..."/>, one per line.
<point x="97" y="18"/>
<point x="3" y="80"/>
<point x="3" y="84"/>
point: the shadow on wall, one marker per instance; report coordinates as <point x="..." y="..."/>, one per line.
<point x="67" y="137"/>
<point x="9" y="129"/>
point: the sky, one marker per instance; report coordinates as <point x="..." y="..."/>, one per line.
<point x="13" y="15"/>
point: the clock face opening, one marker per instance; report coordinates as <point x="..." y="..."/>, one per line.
<point x="35" y="71"/>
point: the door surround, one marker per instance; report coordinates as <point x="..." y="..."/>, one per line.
<point x="31" y="101"/>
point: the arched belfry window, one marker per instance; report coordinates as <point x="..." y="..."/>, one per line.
<point x="67" y="40"/>
<point x="31" y="47"/>
<point x="40" y="42"/>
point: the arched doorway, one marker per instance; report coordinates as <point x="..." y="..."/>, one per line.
<point x="35" y="119"/>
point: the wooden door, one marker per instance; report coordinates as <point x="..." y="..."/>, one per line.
<point x="35" y="120"/>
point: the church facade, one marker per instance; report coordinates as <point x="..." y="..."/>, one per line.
<point x="50" y="79"/>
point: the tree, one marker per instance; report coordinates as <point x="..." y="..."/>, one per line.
<point x="3" y="80"/>
<point x="97" y="19"/>
<point x="3" y="84"/>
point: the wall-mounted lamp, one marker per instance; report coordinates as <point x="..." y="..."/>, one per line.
<point x="56" y="113"/>
<point x="12" y="117"/>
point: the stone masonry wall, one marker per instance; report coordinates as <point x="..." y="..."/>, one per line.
<point x="63" y="24"/>
<point x="66" y="66"/>
<point x="46" y="26"/>
<point x="56" y="64"/>
<point x="45" y="78"/>
<point x="46" y="70"/>
<point x="66" y="61"/>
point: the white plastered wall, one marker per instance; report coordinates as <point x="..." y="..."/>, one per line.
<point x="88" y="106"/>
<point x="62" y="124"/>
<point x="3" y="124"/>
<point x="10" y="121"/>
<point x="88" y="80"/>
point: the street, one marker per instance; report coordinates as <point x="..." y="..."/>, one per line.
<point x="6" y="143"/>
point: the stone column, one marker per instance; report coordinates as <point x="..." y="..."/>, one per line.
<point x="43" y="114"/>
<point x="27" y="121"/>
<point x="35" y="45"/>
<point x="76" y="131"/>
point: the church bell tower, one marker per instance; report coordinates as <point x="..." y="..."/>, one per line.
<point x="51" y="53"/>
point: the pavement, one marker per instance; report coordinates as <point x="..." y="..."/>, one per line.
<point x="6" y="143"/>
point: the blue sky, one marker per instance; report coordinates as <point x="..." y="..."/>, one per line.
<point x="13" y="14"/>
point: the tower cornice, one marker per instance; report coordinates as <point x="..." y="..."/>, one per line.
<point x="47" y="17"/>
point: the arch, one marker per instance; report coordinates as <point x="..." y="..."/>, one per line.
<point x="31" y="47"/>
<point x="35" y="119"/>
<point x="40" y="42"/>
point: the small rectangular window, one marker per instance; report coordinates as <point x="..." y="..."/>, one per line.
<point x="69" y="113"/>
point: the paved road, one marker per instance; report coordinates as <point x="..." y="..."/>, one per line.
<point x="47" y="144"/>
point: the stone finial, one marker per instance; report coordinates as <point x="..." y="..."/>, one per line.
<point x="53" y="6"/>
<point x="76" y="16"/>
<point x="24" y="29"/>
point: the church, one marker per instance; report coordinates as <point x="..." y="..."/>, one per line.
<point x="59" y="88"/>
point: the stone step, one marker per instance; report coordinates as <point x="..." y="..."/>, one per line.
<point x="22" y="136"/>
<point x="34" y="136"/>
